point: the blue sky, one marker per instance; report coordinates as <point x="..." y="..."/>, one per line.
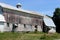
<point x="46" y="7"/>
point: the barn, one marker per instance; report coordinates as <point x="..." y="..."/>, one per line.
<point x="48" y="24"/>
<point x="17" y="19"/>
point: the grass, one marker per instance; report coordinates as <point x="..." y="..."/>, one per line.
<point x="28" y="36"/>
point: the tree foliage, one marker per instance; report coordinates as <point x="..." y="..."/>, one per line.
<point x="56" y="19"/>
<point x="57" y="12"/>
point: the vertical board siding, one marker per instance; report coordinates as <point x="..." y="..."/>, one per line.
<point x="22" y="18"/>
<point x="13" y="18"/>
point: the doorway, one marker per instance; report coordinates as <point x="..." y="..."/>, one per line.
<point x="36" y="28"/>
<point x="14" y="27"/>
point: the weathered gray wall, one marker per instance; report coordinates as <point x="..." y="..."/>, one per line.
<point x="22" y="18"/>
<point x="22" y="28"/>
<point x="6" y="28"/>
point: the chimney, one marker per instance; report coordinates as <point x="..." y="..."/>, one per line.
<point x="18" y="5"/>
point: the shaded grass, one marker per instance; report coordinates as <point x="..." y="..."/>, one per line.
<point x="28" y="36"/>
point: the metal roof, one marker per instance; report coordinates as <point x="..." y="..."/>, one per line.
<point x="48" y="21"/>
<point x="18" y="9"/>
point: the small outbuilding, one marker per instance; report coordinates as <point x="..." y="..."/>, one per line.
<point x="2" y="22"/>
<point x="48" y="24"/>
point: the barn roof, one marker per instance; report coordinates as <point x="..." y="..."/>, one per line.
<point x="18" y="9"/>
<point x="48" y="21"/>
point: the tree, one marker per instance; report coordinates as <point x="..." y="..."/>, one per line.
<point x="56" y="19"/>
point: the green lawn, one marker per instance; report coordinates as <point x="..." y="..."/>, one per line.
<point x="28" y="36"/>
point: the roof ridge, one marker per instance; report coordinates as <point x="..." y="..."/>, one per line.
<point x="14" y="8"/>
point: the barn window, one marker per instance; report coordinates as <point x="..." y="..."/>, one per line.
<point x="24" y="25"/>
<point x="35" y="26"/>
<point x="8" y="24"/>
